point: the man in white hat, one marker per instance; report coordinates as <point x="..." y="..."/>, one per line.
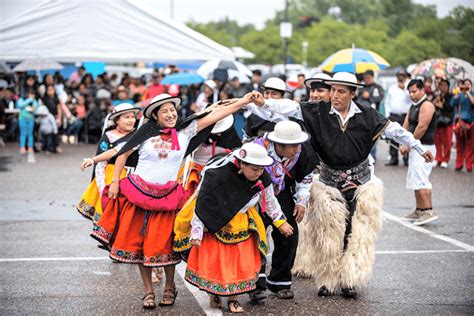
<point x="255" y="126"/>
<point x="344" y="216"/>
<point x="292" y="176"/>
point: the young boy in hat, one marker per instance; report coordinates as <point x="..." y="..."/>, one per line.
<point x="292" y="176"/>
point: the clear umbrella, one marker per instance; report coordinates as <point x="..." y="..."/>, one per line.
<point x="37" y="65"/>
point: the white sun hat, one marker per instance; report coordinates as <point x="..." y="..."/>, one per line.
<point x="211" y="84"/>
<point x="158" y="101"/>
<point x="121" y="109"/>
<point x="253" y="154"/>
<point x="223" y="125"/>
<point x="319" y="77"/>
<point x="345" y="79"/>
<point x="275" y="83"/>
<point x="288" y="133"/>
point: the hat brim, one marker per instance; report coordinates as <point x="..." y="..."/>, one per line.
<point x="303" y="139"/>
<point x="345" y="83"/>
<point x="309" y="81"/>
<point x="118" y="113"/>
<point x="227" y="123"/>
<point x="275" y="89"/>
<point x="150" y="108"/>
<point x="265" y="162"/>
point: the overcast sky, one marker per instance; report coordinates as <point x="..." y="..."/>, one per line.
<point x="257" y="11"/>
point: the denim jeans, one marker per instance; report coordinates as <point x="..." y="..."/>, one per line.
<point x="47" y="142"/>
<point x="26" y="132"/>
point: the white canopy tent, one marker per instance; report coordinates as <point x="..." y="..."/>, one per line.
<point x="99" y="30"/>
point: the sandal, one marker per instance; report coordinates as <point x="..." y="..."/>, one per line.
<point x="285" y="294"/>
<point x="169" y="296"/>
<point x="149" y="301"/>
<point x="215" y="301"/>
<point x="235" y="304"/>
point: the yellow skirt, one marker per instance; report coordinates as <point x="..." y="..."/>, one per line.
<point x="194" y="176"/>
<point x="90" y="205"/>
<point x="240" y="228"/>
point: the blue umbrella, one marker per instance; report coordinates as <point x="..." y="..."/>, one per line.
<point x="182" y="78"/>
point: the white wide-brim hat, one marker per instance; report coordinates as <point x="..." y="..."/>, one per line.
<point x="158" y="101"/>
<point x="253" y="154"/>
<point x="121" y="109"/>
<point x="345" y="79"/>
<point x="275" y="83"/>
<point x="319" y="77"/>
<point x="223" y="125"/>
<point x="211" y="84"/>
<point x="288" y="133"/>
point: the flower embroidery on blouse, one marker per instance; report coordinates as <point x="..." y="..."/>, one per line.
<point x="161" y="146"/>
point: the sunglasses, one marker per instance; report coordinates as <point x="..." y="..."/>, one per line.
<point x="463" y="89"/>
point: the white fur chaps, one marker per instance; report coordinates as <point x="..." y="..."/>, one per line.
<point x="321" y="236"/>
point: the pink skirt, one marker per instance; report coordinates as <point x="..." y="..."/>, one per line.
<point x="150" y="197"/>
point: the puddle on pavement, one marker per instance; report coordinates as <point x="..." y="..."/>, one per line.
<point x="6" y="163"/>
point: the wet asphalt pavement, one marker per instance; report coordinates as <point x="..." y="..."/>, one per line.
<point x="50" y="265"/>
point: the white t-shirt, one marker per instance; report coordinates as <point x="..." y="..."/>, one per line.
<point x="157" y="163"/>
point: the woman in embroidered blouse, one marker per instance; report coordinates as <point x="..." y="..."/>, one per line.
<point x="137" y="225"/>
<point x="122" y="123"/>
<point x="222" y="221"/>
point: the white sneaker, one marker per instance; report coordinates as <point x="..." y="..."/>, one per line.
<point x="435" y="164"/>
<point x="72" y="140"/>
<point x="31" y="158"/>
<point x="64" y="139"/>
<point x="444" y="165"/>
<point x="426" y="217"/>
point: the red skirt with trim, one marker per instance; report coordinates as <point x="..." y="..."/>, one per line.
<point x="137" y="227"/>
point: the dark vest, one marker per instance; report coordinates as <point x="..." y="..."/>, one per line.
<point x="342" y="147"/>
<point x="414" y="112"/>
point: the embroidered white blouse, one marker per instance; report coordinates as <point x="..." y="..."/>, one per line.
<point x="100" y="167"/>
<point x="157" y="163"/>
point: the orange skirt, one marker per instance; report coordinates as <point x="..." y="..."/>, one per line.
<point x="194" y="176"/>
<point x="134" y="235"/>
<point x="224" y="269"/>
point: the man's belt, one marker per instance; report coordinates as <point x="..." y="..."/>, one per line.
<point x="345" y="178"/>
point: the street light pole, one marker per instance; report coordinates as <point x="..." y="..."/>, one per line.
<point x="172" y="9"/>
<point x="305" y="53"/>
<point x="285" y="39"/>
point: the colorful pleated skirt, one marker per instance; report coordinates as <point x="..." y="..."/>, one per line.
<point x="90" y="205"/>
<point x="137" y="227"/>
<point x="227" y="262"/>
<point x="194" y="177"/>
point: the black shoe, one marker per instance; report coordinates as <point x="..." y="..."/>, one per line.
<point x="349" y="293"/>
<point x="405" y="160"/>
<point x="323" y="291"/>
<point x="285" y="294"/>
<point x="392" y="162"/>
<point x="257" y="295"/>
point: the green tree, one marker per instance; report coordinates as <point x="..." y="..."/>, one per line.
<point x="265" y="44"/>
<point x="408" y="48"/>
<point x="459" y="28"/>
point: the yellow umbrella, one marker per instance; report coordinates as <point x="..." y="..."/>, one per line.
<point x="354" y="60"/>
